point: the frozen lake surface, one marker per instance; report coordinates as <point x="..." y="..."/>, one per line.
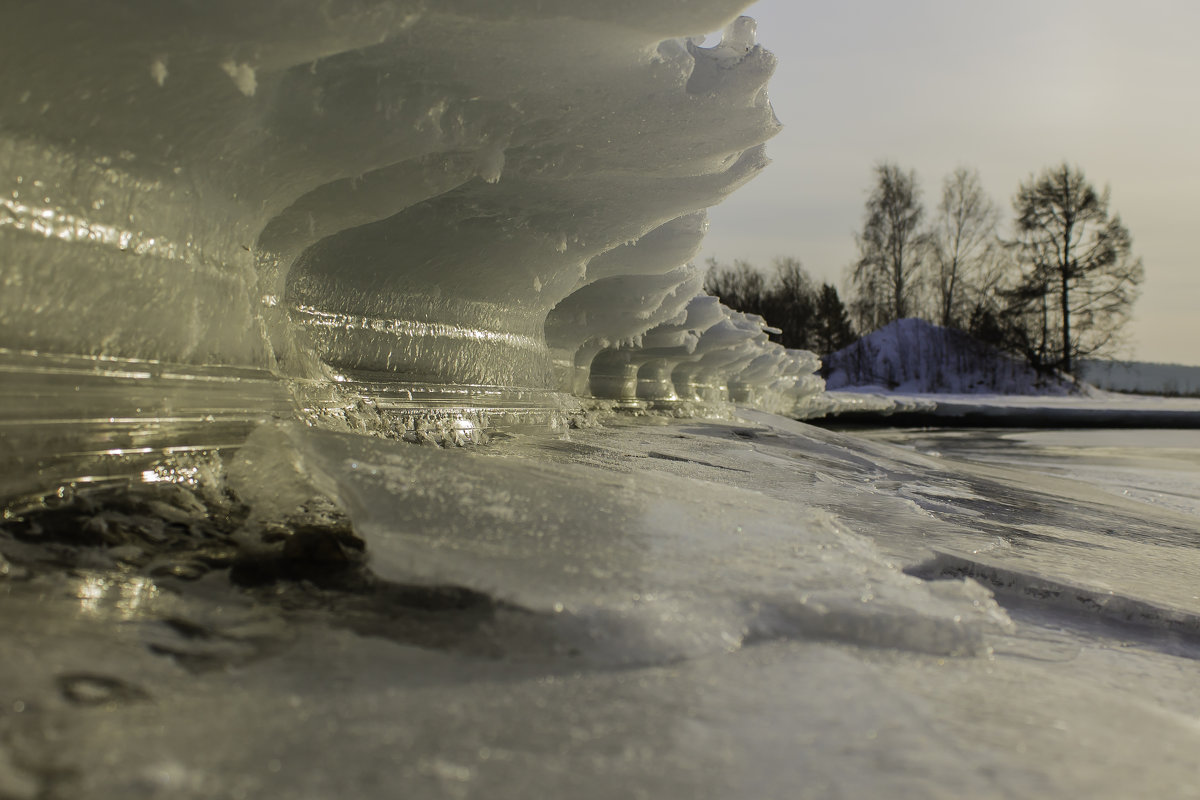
<point x="652" y="608"/>
<point x="1157" y="466"/>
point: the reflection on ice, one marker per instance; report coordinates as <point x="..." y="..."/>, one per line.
<point x="125" y="595"/>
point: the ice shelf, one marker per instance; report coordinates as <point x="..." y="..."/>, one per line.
<point x="466" y="207"/>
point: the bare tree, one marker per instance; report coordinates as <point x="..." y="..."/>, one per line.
<point x="787" y="300"/>
<point x="790" y="303"/>
<point x="791" y="278"/>
<point x="741" y="286"/>
<point x="1079" y="277"/>
<point x="891" y="248"/>
<point x="963" y="248"/>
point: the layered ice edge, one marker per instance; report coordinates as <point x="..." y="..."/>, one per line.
<point x="475" y="210"/>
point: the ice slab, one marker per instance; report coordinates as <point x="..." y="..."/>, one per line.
<point x="391" y="188"/>
<point x="682" y="565"/>
<point x="394" y="210"/>
<point x="121" y="683"/>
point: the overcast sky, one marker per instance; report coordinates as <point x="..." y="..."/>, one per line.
<point x="1006" y="87"/>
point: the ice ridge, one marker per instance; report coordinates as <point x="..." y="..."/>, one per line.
<point x="466" y="194"/>
<point x="464" y="213"/>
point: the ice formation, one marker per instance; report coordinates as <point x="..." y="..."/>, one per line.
<point x="471" y="201"/>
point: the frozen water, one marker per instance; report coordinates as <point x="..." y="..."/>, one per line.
<point x="1091" y="408"/>
<point x="236" y="237"/>
<point x="697" y="570"/>
<point x="388" y="188"/>
<point x="1142" y="377"/>
<point x="1157" y="466"/>
<point x="701" y="608"/>
<point x="401" y="212"/>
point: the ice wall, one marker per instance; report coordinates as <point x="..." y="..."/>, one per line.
<point x="463" y="194"/>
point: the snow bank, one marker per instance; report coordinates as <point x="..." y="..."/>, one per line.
<point x="912" y="356"/>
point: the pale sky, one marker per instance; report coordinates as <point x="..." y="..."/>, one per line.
<point x="1006" y="87"/>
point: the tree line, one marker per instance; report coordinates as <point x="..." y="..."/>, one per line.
<point x="1060" y="288"/>
<point x="807" y="317"/>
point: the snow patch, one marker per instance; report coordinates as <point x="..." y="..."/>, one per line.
<point x="912" y="356"/>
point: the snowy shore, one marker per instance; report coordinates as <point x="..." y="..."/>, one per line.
<point x="1096" y="409"/>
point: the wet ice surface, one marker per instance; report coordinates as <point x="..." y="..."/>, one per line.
<point x="692" y="609"/>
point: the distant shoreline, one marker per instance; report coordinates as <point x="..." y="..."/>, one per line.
<point x="959" y="414"/>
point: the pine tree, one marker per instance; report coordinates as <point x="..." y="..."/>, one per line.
<point x="831" y="324"/>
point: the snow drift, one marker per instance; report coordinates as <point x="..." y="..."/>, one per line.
<point x="912" y="356"/>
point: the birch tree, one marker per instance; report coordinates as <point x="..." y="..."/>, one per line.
<point x="963" y="249"/>
<point x="891" y="248"/>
